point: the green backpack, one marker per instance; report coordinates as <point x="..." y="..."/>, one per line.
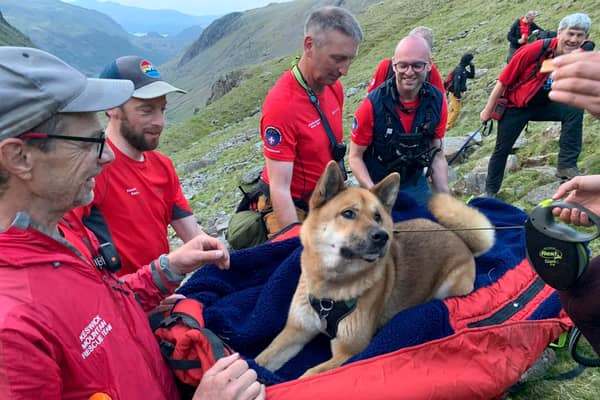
<point x="246" y="229"/>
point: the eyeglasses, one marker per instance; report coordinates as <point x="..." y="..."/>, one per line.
<point x="100" y="140"/>
<point x="418" y="66"/>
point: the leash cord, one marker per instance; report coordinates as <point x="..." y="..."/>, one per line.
<point x="459" y="229"/>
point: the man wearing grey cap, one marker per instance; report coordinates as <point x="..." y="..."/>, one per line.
<point x="68" y="327"/>
<point x="139" y="194"/>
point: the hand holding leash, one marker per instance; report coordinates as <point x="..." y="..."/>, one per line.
<point x="557" y="252"/>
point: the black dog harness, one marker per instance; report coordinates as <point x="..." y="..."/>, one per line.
<point x="331" y="312"/>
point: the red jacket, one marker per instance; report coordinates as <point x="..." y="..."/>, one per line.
<point x="69" y="330"/>
<point x="520" y="77"/>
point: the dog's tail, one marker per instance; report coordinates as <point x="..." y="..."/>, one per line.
<point x="459" y="217"/>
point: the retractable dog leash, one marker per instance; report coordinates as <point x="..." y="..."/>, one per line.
<point x="557" y="252"/>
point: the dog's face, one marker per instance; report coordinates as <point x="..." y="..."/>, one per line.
<point x="349" y="229"/>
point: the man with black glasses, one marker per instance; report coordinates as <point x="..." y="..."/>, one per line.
<point x="69" y="329"/>
<point x="400" y="125"/>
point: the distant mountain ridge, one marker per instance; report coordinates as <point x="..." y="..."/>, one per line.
<point x="135" y="19"/>
<point x="238" y="40"/>
<point x="86" y="39"/>
<point x="10" y="36"/>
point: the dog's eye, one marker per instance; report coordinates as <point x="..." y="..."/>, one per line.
<point x="377" y="218"/>
<point x="349" y="214"/>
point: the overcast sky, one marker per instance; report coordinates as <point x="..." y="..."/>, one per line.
<point x="199" y="7"/>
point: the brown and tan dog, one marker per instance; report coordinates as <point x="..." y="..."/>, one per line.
<point x="359" y="269"/>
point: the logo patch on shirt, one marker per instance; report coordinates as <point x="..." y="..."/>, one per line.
<point x="354" y="123"/>
<point x="148" y="69"/>
<point x="272" y="136"/>
<point x="93" y="335"/>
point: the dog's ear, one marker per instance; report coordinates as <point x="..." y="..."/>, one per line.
<point x="330" y="183"/>
<point x="387" y="190"/>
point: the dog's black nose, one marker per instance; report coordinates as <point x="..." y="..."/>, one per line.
<point x="378" y="236"/>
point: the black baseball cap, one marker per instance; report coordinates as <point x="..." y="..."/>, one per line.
<point x="144" y="75"/>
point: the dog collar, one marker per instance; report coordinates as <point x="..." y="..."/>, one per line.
<point x="331" y="312"/>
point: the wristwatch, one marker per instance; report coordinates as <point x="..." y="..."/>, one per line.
<point x="165" y="267"/>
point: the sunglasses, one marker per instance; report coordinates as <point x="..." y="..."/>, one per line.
<point x="99" y="140"/>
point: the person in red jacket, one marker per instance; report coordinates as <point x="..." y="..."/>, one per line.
<point x="385" y="71"/>
<point x="526" y="89"/>
<point x="519" y="32"/>
<point x="70" y="329"/>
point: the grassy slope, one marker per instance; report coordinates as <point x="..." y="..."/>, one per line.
<point x="477" y="26"/>
<point x="10" y="36"/>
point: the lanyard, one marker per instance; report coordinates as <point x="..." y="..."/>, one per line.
<point x="315" y="102"/>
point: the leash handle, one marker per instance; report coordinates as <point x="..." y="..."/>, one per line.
<point x="485" y="131"/>
<point x="542" y="219"/>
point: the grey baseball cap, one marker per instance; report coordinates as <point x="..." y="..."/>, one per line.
<point x="144" y="75"/>
<point x="35" y="85"/>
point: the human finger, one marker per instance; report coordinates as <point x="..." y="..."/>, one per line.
<point x="564" y="189"/>
<point x="223" y="363"/>
<point x="263" y="393"/>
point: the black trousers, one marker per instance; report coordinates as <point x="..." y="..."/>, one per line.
<point x="582" y="303"/>
<point x="513" y="122"/>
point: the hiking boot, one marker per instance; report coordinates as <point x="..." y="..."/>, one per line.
<point x="568" y="173"/>
<point x="490" y="195"/>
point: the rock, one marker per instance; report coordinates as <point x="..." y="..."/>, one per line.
<point x="252" y="176"/>
<point x="512" y="163"/>
<point x="520" y="143"/>
<point x="536" y="161"/>
<point x="481" y="165"/>
<point x="472" y="183"/>
<point x="479" y="72"/>
<point x="541" y="193"/>
<point x="552" y="132"/>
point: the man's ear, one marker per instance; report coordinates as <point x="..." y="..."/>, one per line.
<point x="113" y="112"/>
<point x="16" y="157"/>
<point x="309" y="44"/>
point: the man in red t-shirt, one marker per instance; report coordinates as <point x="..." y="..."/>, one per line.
<point x="138" y="195"/>
<point x="297" y="146"/>
<point x="526" y="89"/>
<point x="400" y="125"/>
<point x="385" y="71"/>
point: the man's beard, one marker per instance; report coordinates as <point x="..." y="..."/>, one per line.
<point x="137" y="139"/>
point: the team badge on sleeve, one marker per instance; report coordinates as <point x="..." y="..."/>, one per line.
<point x="272" y="136"/>
<point x="354" y="124"/>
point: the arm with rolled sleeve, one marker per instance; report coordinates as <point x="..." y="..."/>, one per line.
<point x="361" y="138"/>
<point x="439" y="164"/>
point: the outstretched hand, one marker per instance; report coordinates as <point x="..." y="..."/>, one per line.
<point x="230" y="379"/>
<point x="577" y="81"/>
<point x="582" y="190"/>
<point x="202" y="249"/>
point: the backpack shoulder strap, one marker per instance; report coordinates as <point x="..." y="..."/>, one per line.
<point x="390" y="71"/>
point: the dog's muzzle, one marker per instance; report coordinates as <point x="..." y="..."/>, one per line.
<point x="370" y="248"/>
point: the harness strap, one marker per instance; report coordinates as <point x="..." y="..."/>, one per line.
<point x="331" y="312"/>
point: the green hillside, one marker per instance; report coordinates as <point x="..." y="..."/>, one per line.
<point x="10" y="36"/>
<point x="220" y="143"/>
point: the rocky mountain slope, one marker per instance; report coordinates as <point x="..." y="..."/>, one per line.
<point x="11" y="36"/>
<point x="84" y="38"/>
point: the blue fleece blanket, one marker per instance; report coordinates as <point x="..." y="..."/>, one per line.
<point x="247" y="305"/>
